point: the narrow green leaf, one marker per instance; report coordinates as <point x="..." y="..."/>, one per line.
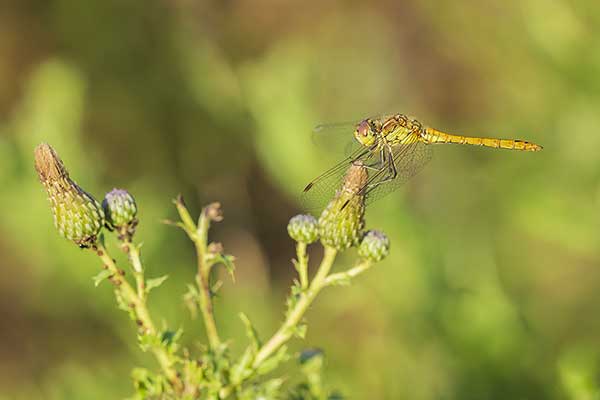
<point x="251" y="332"/>
<point x="228" y="262"/>
<point x="300" y="331"/>
<point x="273" y="362"/>
<point x="241" y="369"/>
<point x="190" y="299"/>
<point x="154" y="283"/>
<point x="102" y="275"/>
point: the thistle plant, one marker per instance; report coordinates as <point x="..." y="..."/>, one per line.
<point x="214" y="372"/>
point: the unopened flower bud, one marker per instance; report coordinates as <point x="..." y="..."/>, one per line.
<point x="77" y="215"/>
<point x="214" y="212"/>
<point x="120" y="209"/>
<point x="342" y="221"/>
<point x="375" y="246"/>
<point x="303" y="228"/>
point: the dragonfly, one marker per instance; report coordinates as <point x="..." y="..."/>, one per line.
<point x="393" y="149"/>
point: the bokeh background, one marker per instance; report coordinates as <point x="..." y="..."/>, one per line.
<point x="492" y="290"/>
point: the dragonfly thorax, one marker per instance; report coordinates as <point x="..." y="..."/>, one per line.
<point x="393" y="130"/>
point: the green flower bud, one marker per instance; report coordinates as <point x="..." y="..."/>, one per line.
<point x="375" y="246"/>
<point x="77" y="215"/>
<point x="303" y="228"/>
<point x="342" y="221"/>
<point x="120" y="209"/>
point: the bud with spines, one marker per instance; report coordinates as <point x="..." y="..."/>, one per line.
<point x="121" y="210"/>
<point x="342" y="221"/>
<point x="375" y="246"/>
<point x="77" y="215"/>
<point x="303" y="228"/>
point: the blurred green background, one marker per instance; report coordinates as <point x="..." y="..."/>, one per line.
<point x="492" y="287"/>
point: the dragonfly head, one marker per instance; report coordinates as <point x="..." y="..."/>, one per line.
<point x="364" y="134"/>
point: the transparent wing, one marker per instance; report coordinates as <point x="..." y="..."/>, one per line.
<point x="409" y="158"/>
<point x="321" y="190"/>
<point x="337" y="138"/>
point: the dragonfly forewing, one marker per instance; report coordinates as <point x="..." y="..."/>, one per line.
<point x="323" y="188"/>
<point x="385" y="174"/>
<point x="409" y="159"/>
<point x="335" y="138"/>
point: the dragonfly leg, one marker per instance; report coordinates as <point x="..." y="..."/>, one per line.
<point x="391" y="173"/>
<point x="380" y="164"/>
<point x="392" y="164"/>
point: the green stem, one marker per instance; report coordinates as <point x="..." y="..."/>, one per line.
<point x="138" y="304"/>
<point x="199" y="235"/>
<point x="302" y="264"/>
<point x="345" y="276"/>
<point x="206" y="306"/>
<point x="138" y="271"/>
<point x="286" y="331"/>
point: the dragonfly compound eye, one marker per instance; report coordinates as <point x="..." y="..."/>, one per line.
<point x="363" y="129"/>
<point x="364" y="133"/>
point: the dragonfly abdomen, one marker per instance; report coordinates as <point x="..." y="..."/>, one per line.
<point x="431" y="136"/>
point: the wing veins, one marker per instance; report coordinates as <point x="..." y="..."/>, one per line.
<point x="358" y="153"/>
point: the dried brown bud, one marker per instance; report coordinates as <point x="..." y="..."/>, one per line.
<point x="77" y="215"/>
<point x="213" y="212"/>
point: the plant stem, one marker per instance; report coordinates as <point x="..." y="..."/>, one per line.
<point x="345" y="276"/>
<point x="138" y="304"/>
<point x="199" y="235"/>
<point x="286" y="331"/>
<point x="302" y="264"/>
<point x="206" y="306"/>
<point x="138" y="272"/>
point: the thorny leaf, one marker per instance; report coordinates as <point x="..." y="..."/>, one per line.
<point x="300" y="331"/>
<point x="149" y="385"/>
<point x="155" y="282"/>
<point x="226" y="260"/>
<point x="123" y="305"/>
<point x="292" y="300"/>
<point x="242" y="369"/>
<point x="268" y="390"/>
<point x="273" y="362"/>
<point x="251" y="332"/>
<point x="190" y="300"/>
<point x="101" y="276"/>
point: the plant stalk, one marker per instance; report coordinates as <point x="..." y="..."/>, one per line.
<point x="133" y="253"/>
<point x="199" y="235"/>
<point x="286" y="331"/>
<point x="341" y="277"/>
<point x="206" y="306"/>
<point x="302" y="264"/>
<point x="138" y="304"/>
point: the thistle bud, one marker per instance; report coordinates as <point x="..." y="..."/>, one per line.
<point x="77" y="215"/>
<point x="342" y="221"/>
<point x="375" y="246"/>
<point x="303" y="228"/>
<point x="120" y="209"/>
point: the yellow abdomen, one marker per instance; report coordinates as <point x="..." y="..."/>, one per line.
<point x="431" y="136"/>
